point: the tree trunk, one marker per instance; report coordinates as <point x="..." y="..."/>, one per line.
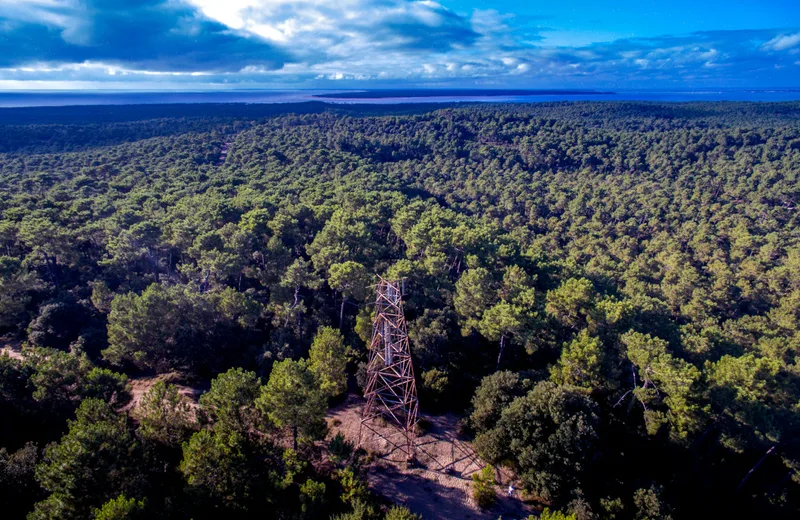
<point x="294" y="437"/>
<point x="341" y="312"/>
<point x="502" y="347"/>
<point x="52" y="267"/>
<point x="750" y="473"/>
<point x="153" y="264"/>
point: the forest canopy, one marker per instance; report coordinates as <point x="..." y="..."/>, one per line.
<point x="607" y="293"/>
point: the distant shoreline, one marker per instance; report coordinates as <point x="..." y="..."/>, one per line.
<point x="416" y="96"/>
<point x="466" y="93"/>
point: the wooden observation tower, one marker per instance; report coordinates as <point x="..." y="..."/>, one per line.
<point x="391" y="391"/>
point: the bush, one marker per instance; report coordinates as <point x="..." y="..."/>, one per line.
<point x="553" y="515"/>
<point x="483" y="488"/>
<point x="312" y="499"/>
<point x="353" y="489"/>
<point x="120" y="508"/>
<point x="340" y="447"/>
<point x="401" y="513"/>
<point x="422" y="427"/>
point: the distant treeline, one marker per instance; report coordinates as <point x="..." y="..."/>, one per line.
<point x="455" y="92"/>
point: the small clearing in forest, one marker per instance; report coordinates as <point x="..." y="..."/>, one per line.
<point x="140" y="385"/>
<point x="427" y="488"/>
<point x="11" y="348"/>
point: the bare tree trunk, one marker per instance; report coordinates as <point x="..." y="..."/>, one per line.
<point x="502" y="347"/>
<point x="154" y="264"/>
<point x="777" y="486"/>
<point x="52" y="267"/>
<point x="750" y="473"/>
<point x="341" y="312"/>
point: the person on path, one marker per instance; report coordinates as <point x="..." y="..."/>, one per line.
<point x="511" y="490"/>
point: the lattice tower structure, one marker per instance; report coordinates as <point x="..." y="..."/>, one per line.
<point x="391" y="392"/>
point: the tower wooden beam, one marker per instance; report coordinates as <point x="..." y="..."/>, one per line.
<point x="391" y="392"/>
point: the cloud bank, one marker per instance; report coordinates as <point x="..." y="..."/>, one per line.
<point x="353" y="43"/>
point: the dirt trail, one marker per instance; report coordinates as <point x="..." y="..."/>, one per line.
<point x="140" y="385"/>
<point x="11" y="348"/>
<point x="223" y="154"/>
<point x="439" y="486"/>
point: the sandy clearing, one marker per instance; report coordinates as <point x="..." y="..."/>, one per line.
<point x="438" y="487"/>
<point x="11" y="348"/>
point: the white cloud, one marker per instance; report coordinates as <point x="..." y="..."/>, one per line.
<point x="404" y="41"/>
<point x="782" y="42"/>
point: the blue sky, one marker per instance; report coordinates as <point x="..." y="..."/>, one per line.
<point x="220" y="44"/>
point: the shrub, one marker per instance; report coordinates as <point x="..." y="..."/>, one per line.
<point x="340" y="447"/>
<point x="353" y="489"/>
<point x="547" y="514"/>
<point x="401" y="513"/>
<point x="312" y="499"/>
<point x="483" y="488"/>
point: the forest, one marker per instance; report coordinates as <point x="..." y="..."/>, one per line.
<point x="606" y="293"/>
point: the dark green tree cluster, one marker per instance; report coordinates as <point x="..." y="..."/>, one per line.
<point x="610" y="292"/>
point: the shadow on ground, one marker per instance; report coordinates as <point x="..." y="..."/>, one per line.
<point x="439" y="487"/>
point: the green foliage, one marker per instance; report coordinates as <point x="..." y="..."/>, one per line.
<point x="475" y="292"/>
<point x="612" y="507"/>
<point x="94" y="461"/>
<point x="164" y="415"/>
<point x="401" y="513"/>
<point x="292" y="400"/>
<point x="17" y="287"/>
<point x="312" y="499"/>
<point x="60" y="380"/>
<point x="665" y="380"/>
<point x="58" y="324"/>
<point x="748" y="399"/>
<point x="18" y="487"/>
<point x="340" y="448"/>
<point x="493" y="396"/>
<point x="102" y="383"/>
<point x="173" y="327"/>
<point x="483" y="488"/>
<point x="643" y="256"/>
<point x="360" y="510"/>
<point x="56" y="375"/>
<point x="293" y="466"/>
<point x="581" y="363"/>
<point x="229" y="404"/>
<point x="571" y="303"/>
<point x="217" y="466"/>
<point x="547" y="434"/>
<point x="649" y="505"/>
<point x="351" y="279"/>
<point x="120" y="508"/>
<point x="434" y="386"/>
<point x="354" y="490"/>
<point x="327" y="360"/>
<point x="547" y="514"/>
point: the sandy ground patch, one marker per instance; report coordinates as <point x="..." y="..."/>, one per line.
<point x="140" y="385"/>
<point x="438" y="486"/>
<point x="11" y="348"/>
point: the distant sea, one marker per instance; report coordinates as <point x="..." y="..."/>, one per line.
<point x="395" y="96"/>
